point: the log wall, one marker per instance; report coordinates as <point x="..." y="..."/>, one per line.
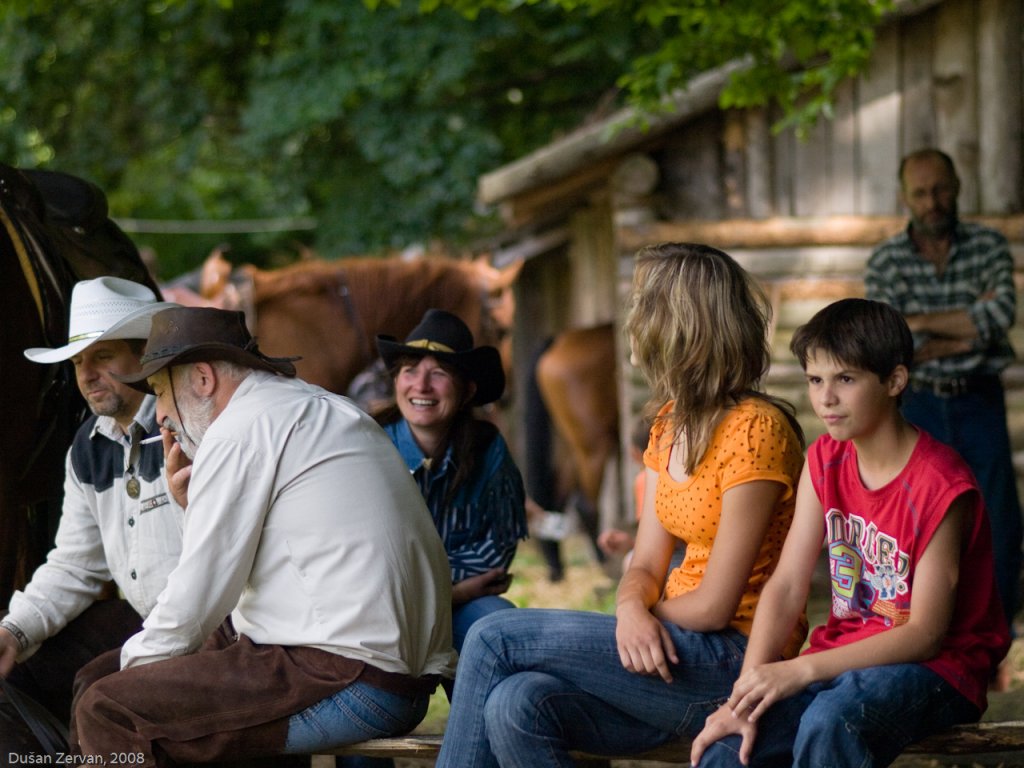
<point x="802" y="212"/>
<point x="949" y="77"/>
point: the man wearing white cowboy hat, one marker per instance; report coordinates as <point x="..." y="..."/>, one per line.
<point x="305" y="528"/>
<point x="118" y="521"/>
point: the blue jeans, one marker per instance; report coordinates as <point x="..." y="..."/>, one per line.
<point x="862" y="718"/>
<point x="533" y="684"/>
<point x="463" y="617"/>
<point x="466" y="614"/>
<point x="974" y="425"/>
<point x="355" y="713"/>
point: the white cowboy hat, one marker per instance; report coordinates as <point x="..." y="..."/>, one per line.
<point x="103" y="308"/>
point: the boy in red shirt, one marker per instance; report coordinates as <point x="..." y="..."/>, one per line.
<point x="916" y="630"/>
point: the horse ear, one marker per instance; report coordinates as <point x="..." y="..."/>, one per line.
<point x="495" y="280"/>
<point x="510" y="272"/>
<point x="214" y="275"/>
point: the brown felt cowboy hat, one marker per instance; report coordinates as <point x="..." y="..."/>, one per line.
<point x="445" y="337"/>
<point x="200" y="334"/>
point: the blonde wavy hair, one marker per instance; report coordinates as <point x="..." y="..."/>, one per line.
<point x="698" y="330"/>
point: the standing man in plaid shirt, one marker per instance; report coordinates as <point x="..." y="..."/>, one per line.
<point x="953" y="281"/>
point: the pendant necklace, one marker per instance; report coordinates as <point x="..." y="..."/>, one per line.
<point x="132" y="485"/>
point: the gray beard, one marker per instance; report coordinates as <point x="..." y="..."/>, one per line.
<point x="196" y="416"/>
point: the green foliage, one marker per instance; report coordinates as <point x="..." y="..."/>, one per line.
<point x="376" y="124"/>
<point x="797" y="51"/>
<point x="376" y="118"/>
<point x="433" y="103"/>
<point x="141" y="98"/>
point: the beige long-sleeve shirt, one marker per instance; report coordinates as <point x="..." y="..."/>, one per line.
<point x="304" y="525"/>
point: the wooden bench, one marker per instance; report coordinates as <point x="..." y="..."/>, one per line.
<point x="974" y="739"/>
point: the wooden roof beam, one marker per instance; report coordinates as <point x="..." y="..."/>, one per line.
<point x="782" y="232"/>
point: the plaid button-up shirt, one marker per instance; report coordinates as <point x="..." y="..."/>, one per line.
<point x="978" y="277"/>
<point x="482" y="525"/>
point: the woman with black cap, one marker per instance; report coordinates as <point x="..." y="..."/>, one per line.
<point x="461" y="463"/>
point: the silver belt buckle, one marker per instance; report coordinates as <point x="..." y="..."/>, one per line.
<point x="952" y="387"/>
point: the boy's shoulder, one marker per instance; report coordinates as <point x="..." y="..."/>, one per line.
<point x="930" y="456"/>
<point x="939" y="457"/>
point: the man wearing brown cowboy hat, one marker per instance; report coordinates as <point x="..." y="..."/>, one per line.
<point x="305" y="528"/>
<point x="117" y="521"/>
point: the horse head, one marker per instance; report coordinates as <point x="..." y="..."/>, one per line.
<point x="496" y="286"/>
<point x="54" y="230"/>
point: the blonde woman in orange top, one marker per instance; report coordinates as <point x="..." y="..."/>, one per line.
<point x="722" y="465"/>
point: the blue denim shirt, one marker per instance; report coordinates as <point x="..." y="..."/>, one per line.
<point x="484" y="522"/>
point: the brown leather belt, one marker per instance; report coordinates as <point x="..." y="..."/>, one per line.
<point x="956" y="385"/>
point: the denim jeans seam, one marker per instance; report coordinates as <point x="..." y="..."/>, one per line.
<point x="352" y="706"/>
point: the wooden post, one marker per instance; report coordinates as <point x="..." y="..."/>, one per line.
<point x="956" y="93"/>
<point x="999" y="104"/>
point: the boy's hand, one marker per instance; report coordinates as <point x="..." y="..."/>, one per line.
<point x="758" y="688"/>
<point x="720" y="724"/>
<point x="645" y="646"/>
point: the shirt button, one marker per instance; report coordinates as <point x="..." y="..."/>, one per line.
<point x="133" y="574"/>
<point x="131" y="521"/>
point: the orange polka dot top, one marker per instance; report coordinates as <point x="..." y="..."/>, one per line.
<point x="753" y="441"/>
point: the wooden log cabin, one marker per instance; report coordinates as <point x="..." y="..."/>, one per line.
<point x="801" y="213"/>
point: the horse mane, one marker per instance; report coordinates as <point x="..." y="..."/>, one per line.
<point x="375" y="273"/>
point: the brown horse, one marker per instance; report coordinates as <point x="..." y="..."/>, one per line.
<point x="330" y="312"/>
<point x="576" y="376"/>
<point x="54" y="230"/>
<point x="576" y="381"/>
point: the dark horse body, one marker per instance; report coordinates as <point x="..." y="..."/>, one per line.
<point x="54" y="230"/>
